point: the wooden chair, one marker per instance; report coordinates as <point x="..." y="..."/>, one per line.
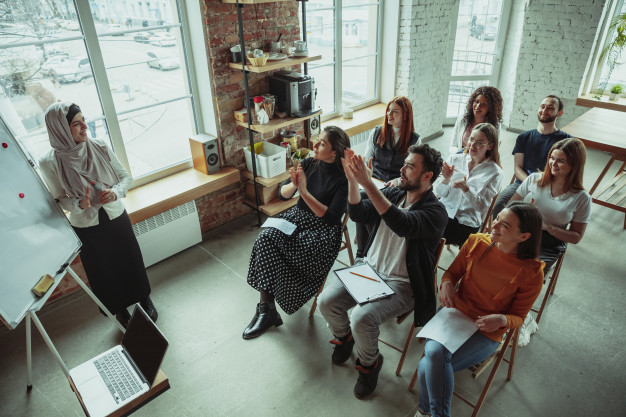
<point x="403" y="317"/>
<point x="346" y="244"/>
<point x="498" y="356"/>
<point x="487" y="221"/>
<point x="550" y="290"/>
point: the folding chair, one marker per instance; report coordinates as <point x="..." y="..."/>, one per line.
<point x="498" y="356"/>
<point x="401" y="318"/>
<point x="345" y="245"/>
<point x="550" y="290"/>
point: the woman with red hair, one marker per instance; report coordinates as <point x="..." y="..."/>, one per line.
<point x="388" y="146"/>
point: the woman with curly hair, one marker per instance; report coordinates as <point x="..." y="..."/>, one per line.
<point x="483" y="106"/>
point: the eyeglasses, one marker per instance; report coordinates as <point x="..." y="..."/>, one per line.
<point x="478" y="144"/>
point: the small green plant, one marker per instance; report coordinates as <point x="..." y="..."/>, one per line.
<point x="617" y="89"/>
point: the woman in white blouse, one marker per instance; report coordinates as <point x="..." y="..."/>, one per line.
<point x="470" y="181"/>
<point x="560" y="197"/>
<point x="87" y="180"/>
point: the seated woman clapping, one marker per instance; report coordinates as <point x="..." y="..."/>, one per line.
<point x="290" y="269"/>
<point x="501" y="280"/>
<point x="470" y="181"/>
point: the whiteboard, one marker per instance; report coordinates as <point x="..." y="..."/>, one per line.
<point x="36" y="237"/>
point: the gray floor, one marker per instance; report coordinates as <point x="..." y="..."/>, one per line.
<point x="574" y="365"/>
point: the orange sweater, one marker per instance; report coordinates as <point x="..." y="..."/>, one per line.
<point x="496" y="283"/>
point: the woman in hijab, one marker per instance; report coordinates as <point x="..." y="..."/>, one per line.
<point x="88" y="181"/>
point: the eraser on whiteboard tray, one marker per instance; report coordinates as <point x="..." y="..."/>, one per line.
<point x="43" y="285"/>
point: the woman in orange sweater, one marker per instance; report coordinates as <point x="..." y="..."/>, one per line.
<point x="502" y="279"/>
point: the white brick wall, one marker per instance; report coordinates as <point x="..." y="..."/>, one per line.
<point x="424" y="61"/>
<point x="546" y="54"/>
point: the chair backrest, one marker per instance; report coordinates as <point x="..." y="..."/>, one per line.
<point x="442" y="243"/>
<point x="487" y="220"/>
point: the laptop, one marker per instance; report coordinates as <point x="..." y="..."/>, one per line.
<point x="118" y="376"/>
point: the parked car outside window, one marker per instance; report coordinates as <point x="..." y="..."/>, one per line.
<point x="161" y="62"/>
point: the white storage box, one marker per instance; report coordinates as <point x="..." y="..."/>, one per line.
<point x="271" y="160"/>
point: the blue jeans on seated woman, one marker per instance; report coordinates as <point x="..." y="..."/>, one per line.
<point x="436" y="371"/>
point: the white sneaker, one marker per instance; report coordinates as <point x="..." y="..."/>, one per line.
<point x="529" y="327"/>
<point x="420" y="414"/>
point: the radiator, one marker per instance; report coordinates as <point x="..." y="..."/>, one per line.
<point x="168" y="233"/>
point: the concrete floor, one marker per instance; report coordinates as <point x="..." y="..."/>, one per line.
<point x="574" y="365"/>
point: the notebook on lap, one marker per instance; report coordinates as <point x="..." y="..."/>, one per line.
<point x="118" y="376"/>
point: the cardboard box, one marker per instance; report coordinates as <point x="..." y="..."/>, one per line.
<point x="266" y="194"/>
<point x="241" y="115"/>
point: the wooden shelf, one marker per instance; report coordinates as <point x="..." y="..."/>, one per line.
<point x="266" y="182"/>
<point x="275" y="65"/>
<point x="253" y="1"/>
<point x="275" y="206"/>
<point x="362" y="120"/>
<point x="603" y="103"/>
<point x="276" y="123"/>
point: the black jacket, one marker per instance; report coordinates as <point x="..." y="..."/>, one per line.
<point x="422" y="226"/>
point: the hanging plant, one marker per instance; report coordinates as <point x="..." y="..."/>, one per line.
<point x="612" y="51"/>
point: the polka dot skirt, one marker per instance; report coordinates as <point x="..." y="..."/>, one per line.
<point x="292" y="268"/>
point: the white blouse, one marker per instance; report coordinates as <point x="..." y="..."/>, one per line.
<point x="484" y="182"/>
<point x="49" y="168"/>
<point x="556" y="211"/>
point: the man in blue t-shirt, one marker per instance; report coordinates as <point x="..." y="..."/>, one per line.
<point x="530" y="153"/>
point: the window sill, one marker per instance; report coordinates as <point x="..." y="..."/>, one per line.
<point x="363" y="120"/>
<point x="158" y="196"/>
<point x="604" y="102"/>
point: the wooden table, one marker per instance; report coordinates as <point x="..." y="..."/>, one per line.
<point x="605" y="130"/>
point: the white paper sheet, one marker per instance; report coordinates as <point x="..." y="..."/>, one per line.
<point x="450" y="327"/>
<point x="380" y="184"/>
<point x="363" y="290"/>
<point x="280" y="224"/>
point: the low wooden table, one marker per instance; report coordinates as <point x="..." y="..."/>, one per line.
<point x="605" y="130"/>
<point x="161" y="384"/>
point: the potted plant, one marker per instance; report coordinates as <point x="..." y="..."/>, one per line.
<point x="616" y="90"/>
<point x="612" y="52"/>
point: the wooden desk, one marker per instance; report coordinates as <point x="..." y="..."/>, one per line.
<point x="161" y="384"/>
<point x="605" y="130"/>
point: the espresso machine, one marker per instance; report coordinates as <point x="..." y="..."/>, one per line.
<point x="295" y="93"/>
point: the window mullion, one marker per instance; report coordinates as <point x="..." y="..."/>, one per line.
<point x="338" y="56"/>
<point x="102" y="81"/>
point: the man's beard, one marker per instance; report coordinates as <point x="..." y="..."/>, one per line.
<point x="406" y="186"/>
<point x="546" y="119"/>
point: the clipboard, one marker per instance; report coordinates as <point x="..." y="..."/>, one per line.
<point x="362" y="289"/>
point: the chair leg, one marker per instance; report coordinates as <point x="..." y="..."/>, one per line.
<point x="314" y="306"/>
<point x="556" y="273"/>
<point x="492" y="375"/>
<point x="413" y="380"/>
<point x="509" y="375"/>
<point x="407" y="345"/>
<point x="348" y="246"/>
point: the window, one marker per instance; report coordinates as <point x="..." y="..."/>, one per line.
<point x="124" y="64"/>
<point x="478" y="46"/>
<point x="348" y="73"/>
<point x="601" y="77"/>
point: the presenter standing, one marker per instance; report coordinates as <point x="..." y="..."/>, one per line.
<point x="88" y="181"/>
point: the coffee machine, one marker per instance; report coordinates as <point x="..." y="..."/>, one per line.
<point x="296" y="93"/>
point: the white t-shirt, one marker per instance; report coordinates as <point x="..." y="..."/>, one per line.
<point x="556" y="211"/>
<point x="387" y="255"/>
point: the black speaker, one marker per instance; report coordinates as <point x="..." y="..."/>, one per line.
<point x="205" y="153"/>
<point x="314" y="125"/>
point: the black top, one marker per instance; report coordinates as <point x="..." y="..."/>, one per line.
<point x="535" y="148"/>
<point x="328" y="184"/>
<point x="422" y="226"/>
<point x="388" y="160"/>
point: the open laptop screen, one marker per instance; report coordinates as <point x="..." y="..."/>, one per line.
<point x="145" y="343"/>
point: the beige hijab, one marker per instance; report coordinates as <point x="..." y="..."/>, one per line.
<point x="79" y="163"/>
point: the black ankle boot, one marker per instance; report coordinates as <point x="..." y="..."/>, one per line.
<point x="267" y="317"/>
<point x="252" y="322"/>
<point x="150" y="309"/>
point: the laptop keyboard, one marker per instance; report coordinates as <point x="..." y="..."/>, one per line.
<point x="118" y="377"/>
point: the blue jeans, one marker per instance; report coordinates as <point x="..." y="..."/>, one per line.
<point x="436" y="371"/>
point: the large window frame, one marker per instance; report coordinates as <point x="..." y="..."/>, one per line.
<point x="595" y="68"/>
<point x="196" y="76"/>
<point x="338" y="61"/>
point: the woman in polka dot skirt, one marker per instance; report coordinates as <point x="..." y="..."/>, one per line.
<point x="289" y="269"/>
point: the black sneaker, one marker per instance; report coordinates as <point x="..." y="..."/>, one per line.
<point x="343" y="348"/>
<point x="368" y="377"/>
